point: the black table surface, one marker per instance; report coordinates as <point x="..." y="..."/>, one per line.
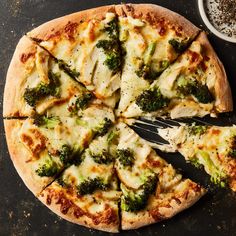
<point x="22" y="214"/>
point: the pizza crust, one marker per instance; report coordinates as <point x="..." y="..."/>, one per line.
<point x="20" y="157"/>
<point x="64" y="206"/>
<point x="153" y="14"/>
<point x="149" y="12"/>
<point x="56" y="27"/>
<point x="224" y="100"/>
<point x="12" y="102"/>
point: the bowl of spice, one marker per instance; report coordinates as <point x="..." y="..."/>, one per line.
<point x="220" y="17"/>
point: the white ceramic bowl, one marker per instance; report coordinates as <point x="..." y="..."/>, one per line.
<point x="209" y="25"/>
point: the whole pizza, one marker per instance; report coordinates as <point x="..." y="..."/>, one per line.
<point x="72" y="87"/>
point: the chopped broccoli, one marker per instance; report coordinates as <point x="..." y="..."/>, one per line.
<point x="102" y="158"/>
<point x="80" y="103"/>
<point x="103" y="127"/>
<point x="90" y="185"/>
<point x="195" y="88"/>
<point x="148" y="73"/>
<point x="63" y="66"/>
<point x="125" y="157"/>
<point x="69" y="155"/>
<point x="152" y="100"/>
<point x="197" y="129"/>
<point x="47" y="122"/>
<point x="112" y="47"/>
<point x="113" y="61"/>
<point x="112" y="50"/>
<point x="134" y="201"/>
<point x="112" y="28"/>
<point x="106" y="45"/>
<point x="111" y="136"/>
<point x="33" y="95"/>
<point x="49" y="168"/>
<point x="178" y="46"/>
<point x="218" y="176"/>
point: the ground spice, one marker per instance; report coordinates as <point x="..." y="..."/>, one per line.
<point x="222" y="14"/>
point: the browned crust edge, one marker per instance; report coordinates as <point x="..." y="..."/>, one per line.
<point x="44" y="31"/>
<point x="153" y="14"/>
<point x="20" y="155"/>
<point x="224" y="100"/>
<point x="59" y="205"/>
<point x="15" y="76"/>
<point x="149" y="12"/>
<point x="162" y="213"/>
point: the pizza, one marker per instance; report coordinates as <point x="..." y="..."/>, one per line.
<point x="210" y="147"/>
<point x="71" y="85"/>
<point x="194" y="85"/>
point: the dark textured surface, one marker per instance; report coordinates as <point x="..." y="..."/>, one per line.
<point x="22" y="214"/>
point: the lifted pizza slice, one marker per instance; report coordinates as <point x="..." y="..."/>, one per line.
<point x="210" y="147"/>
<point x="195" y="85"/>
<point x="87" y="45"/>
<point x="152" y="38"/>
<point x="41" y="147"/>
<point x="152" y="190"/>
<point x="87" y="192"/>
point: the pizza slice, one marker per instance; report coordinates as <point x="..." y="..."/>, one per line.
<point x="152" y="37"/>
<point x="87" y="44"/>
<point x="152" y="190"/>
<point x="210" y="147"/>
<point x="87" y="192"/>
<point x="41" y="147"/>
<point x="35" y="84"/>
<point x="195" y="85"/>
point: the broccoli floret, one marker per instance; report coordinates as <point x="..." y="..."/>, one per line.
<point x="63" y="66"/>
<point x="80" y="103"/>
<point x="90" y="185"/>
<point x="125" y="157"/>
<point x="197" y="129"/>
<point x="134" y="201"/>
<point x="113" y="61"/>
<point x="147" y="72"/>
<point x="195" y="88"/>
<point x="106" y="45"/>
<point x="33" y="95"/>
<point x="69" y="155"/>
<point x="113" y="55"/>
<point x="103" y="127"/>
<point x="47" y="122"/>
<point x="112" y="47"/>
<point x="178" y="46"/>
<point x="102" y="158"/>
<point x="152" y="100"/>
<point x="49" y="168"/>
<point x="112" y="28"/>
<point x="150" y="74"/>
<point x="218" y="176"/>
